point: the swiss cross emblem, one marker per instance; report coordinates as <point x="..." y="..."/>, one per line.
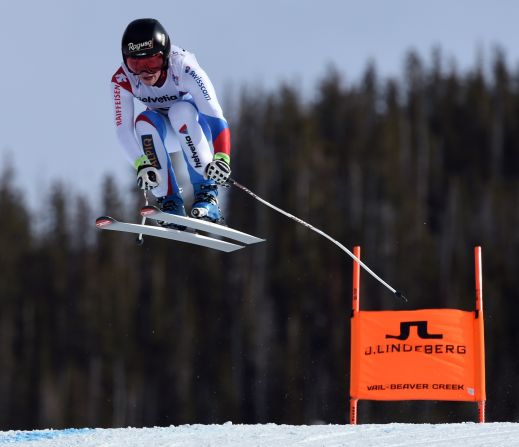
<point x="121" y="78"/>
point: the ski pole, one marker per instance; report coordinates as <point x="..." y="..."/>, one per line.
<point x="140" y="237"/>
<point x="322" y="233"/>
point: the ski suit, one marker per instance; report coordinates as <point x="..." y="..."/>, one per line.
<point x="185" y="106"/>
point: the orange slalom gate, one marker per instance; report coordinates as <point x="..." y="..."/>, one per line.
<point x="428" y="354"/>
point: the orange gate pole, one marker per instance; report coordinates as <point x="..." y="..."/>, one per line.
<point x="355" y="306"/>
<point x="480" y="368"/>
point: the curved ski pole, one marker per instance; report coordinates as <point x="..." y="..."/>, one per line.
<point x="140" y="237"/>
<point x="322" y="233"/>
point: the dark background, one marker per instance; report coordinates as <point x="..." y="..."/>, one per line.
<point x="96" y="331"/>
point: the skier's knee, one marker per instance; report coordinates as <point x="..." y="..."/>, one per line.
<point x="149" y="117"/>
<point x="182" y="112"/>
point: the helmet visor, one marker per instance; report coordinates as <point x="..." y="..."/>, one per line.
<point x="150" y="64"/>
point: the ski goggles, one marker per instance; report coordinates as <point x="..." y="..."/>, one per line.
<point x="150" y="64"/>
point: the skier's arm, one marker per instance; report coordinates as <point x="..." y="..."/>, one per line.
<point x="198" y="84"/>
<point x="123" y="118"/>
<point x="123" y="107"/>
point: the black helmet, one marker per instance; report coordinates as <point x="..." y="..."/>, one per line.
<point x="145" y="37"/>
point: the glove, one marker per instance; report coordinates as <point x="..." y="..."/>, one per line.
<point x="148" y="177"/>
<point x="219" y="169"/>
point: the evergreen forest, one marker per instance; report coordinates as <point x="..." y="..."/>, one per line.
<point x="417" y="170"/>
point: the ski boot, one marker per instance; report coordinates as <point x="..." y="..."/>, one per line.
<point x="205" y="206"/>
<point x="172" y="204"/>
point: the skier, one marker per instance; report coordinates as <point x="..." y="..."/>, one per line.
<point x="181" y="102"/>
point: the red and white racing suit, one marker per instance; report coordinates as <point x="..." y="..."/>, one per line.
<point x="185" y="106"/>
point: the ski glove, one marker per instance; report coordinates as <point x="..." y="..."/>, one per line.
<point x="148" y="177"/>
<point x="219" y="169"/>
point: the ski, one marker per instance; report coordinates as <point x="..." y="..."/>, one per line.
<point x="154" y="213"/>
<point x="109" y="223"/>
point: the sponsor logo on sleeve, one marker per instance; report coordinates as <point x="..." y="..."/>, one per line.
<point x="200" y="83"/>
<point x="118" y="108"/>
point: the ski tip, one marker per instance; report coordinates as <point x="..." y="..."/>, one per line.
<point x="104" y="221"/>
<point x="149" y="210"/>
<point x="400" y="295"/>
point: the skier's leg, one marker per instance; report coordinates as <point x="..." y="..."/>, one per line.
<point x="194" y="136"/>
<point x="151" y="128"/>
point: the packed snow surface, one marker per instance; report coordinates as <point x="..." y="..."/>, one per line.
<point x="271" y="435"/>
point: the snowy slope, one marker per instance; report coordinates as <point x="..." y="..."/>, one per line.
<point x="271" y="435"/>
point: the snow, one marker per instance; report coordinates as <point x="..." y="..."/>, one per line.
<point x="228" y="435"/>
